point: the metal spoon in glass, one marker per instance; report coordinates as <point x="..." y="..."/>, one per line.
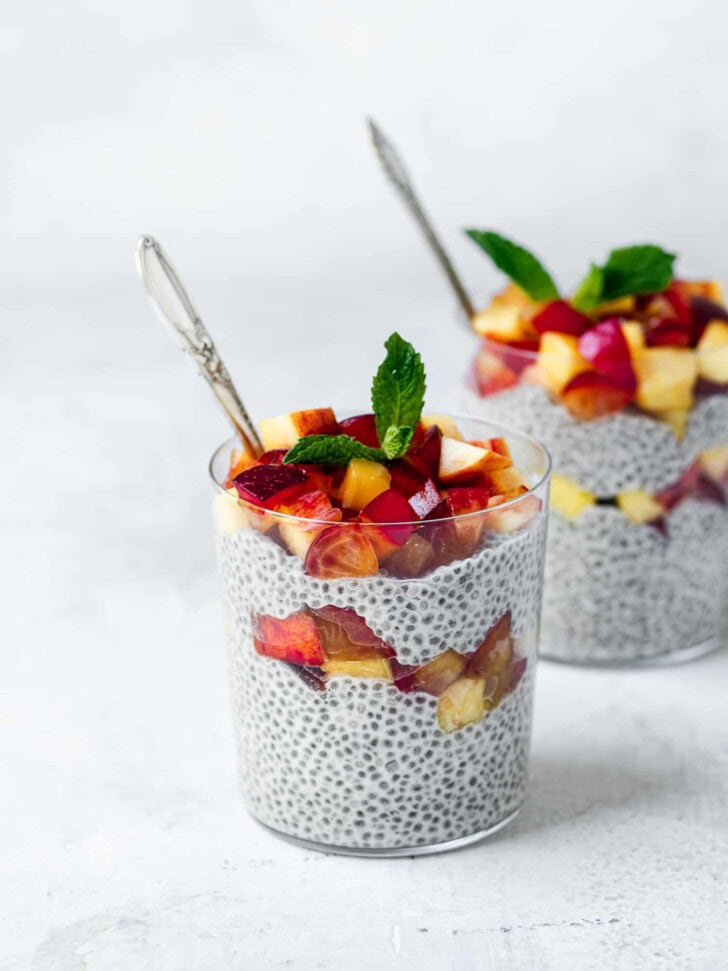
<point x="397" y="174"/>
<point x="171" y="302"/>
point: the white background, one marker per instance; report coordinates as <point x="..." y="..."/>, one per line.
<point x="234" y="132"/>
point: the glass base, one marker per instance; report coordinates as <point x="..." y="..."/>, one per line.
<point x="426" y="849"/>
<point x="680" y="655"/>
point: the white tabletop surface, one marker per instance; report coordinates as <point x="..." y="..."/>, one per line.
<point x="124" y="842"/>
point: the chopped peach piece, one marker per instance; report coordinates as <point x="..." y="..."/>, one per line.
<point x="363" y="481"/>
<point x="284" y="431"/>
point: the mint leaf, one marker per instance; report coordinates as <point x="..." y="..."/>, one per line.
<point x="397" y="440"/>
<point x="588" y="293"/>
<point x="628" y="272"/>
<point x="331" y="450"/>
<point x="398" y="388"/>
<point x="517" y="263"/>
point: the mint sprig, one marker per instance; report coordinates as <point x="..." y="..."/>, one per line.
<point x="518" y="263"/>
<point x="331" y="450"/>
<point x="628" y="272"/>
<point x="398" y="388"/>
<point x="398" y="396"/>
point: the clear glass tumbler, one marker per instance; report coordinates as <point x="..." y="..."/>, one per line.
<point x="637" y="557"/>
<point x="389" y="714"/>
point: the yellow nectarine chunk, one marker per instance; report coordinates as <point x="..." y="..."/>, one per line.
<point x="714" y="462"/>
<point x="462" y="703"/>
<point x="568" y="498"/>
<point x="665" y="378"/>
<point x="367" y="667"/>
<point x="559" y="360"/>
<point x="363" y="481"/>
<point x="713" y="352"/>
<point x="639" y="506"/>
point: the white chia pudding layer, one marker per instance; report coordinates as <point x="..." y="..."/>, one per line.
<point x="361" y="765"/>
<point x="626" y="450"/>
<point x="616" y="591"/>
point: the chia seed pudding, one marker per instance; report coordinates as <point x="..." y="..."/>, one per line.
<point x="385" y="710"/>
<point x="631" y="400"/>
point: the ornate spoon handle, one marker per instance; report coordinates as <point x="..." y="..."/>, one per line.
<point x="170" y="300"/>
<point x="399" y="177"/>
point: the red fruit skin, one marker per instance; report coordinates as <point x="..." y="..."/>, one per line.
<point x="560" y="316"/>
<point x="668" y="333"/>
<point x="605" y="347"/>
<point x="361" y="427"/>
<point x="314" y="505"/>
<point x="270" y="485"/>
<point x="680" y="305"/>
<point x="295" y="638"/>
<point x="693" y="483"/>
<point x="705" y="388"/>
<point x="490" y="373"/>
<point x="497" y="638"/>
<point x="703" y="311"/>
<point x="516" y="672"/>
<point x="426" y="456"/>
<point x="435" y="676"/>
<point x="388" y="507"/>
<point x="357" y="629"/>
<point x="273" y="457"/>
<point x="591" y="395"/>
<point x="313" y="677"/>
<point x="405" y="478"/>
<point x="340" y="552"/>
<point x="426" y="500"/>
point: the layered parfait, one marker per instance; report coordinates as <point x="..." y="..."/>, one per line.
<point x="626" y="383"/>
<point x="382" y="580"/>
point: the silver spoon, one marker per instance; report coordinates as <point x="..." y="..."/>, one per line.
<point x="399" y="177"/>
<point x="173" y="305"/>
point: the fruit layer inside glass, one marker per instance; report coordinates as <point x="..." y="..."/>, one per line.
<point x="382" y="647"/>
<point x="632" y="402"/>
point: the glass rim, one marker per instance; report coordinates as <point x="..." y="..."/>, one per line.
<point x="505" y="431"/>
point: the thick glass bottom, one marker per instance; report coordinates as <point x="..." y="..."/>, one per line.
<point x="680" y="655"/>
<point x="426" y="849"/>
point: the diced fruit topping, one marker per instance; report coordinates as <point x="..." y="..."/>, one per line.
<point x="391" y="489"/>
<point x="363" y="428"/>
<point x="592" y="395"/>
<point x="606" y="349"/>
<point x="462" y="462"/>
<point x="632" y="335"/>
<point x="341" y="551"/>
<point x="559" y="361"/>
<point x="713" y="352"/>
<point x="363" y="481"/>
<point x="665" y="378"/>
<point x="355" y="628"/>
<point x="569" y="499"/>
<point x="285" y="430"/>
<point x="561" y="317"/>
<point x="427" y="499"/>
<point x="270" y="485"/>
<point x="295" y="638"/>
<point x="446" y="424"/>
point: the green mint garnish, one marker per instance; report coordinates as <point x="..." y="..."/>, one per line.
<point x="398" y="388"/>
<point x="331" y="450"/>
<point x="397" y="440"/>
<point x="629" y="271"/>
<point x="398" y="394"/>
<point x="517" y="263"/>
